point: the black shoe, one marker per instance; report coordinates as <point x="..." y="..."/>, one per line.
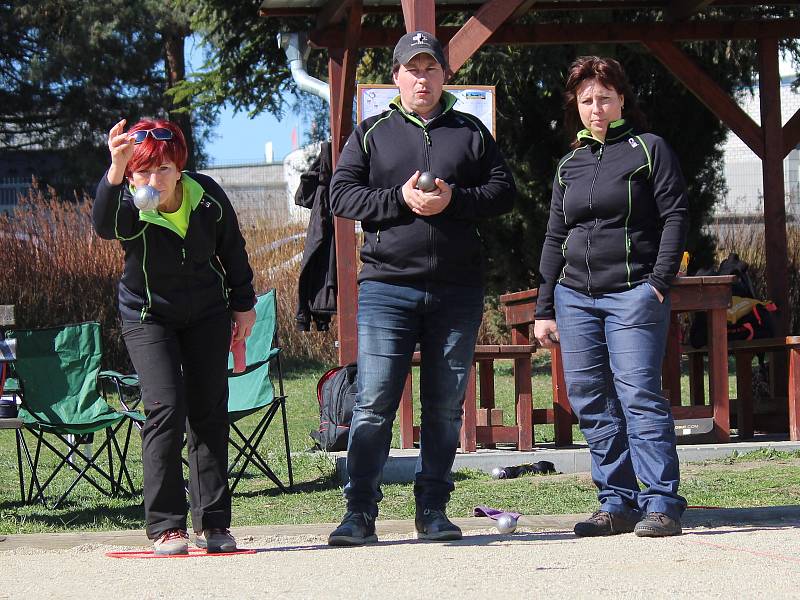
<point x="656" y="524"/>
<point x="434" y="525"/>
<point x="356" y="529"/>
<point x="603" y="523"/>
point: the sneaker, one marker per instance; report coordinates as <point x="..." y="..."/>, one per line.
<point x="215" y="540"/>
<point x="172" y="541"/>
<point x="656" y="524"/>
<point x="434" y="525"/>
<point x="603" y="523"/>
<point x="356" y="528"/>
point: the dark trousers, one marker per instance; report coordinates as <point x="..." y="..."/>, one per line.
<point x="183" y="376"/>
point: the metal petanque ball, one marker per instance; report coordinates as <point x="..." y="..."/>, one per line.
<point x="426" y="182"/>
<point x="146" y="197"/>
<point x="506" y="524"/>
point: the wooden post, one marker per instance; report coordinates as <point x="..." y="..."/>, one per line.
<point x="419" y="15"/>
<point x="774" y="194"/>
<point x="341" y="72"/>
<point x="744" y="395"/>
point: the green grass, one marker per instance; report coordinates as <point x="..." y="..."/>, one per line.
<point x="759" y="479"/>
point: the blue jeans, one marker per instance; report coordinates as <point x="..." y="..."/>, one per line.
<point x="612" y="347"/>
<point x="392" y="319"/>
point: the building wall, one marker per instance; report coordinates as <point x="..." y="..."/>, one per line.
<point x="256" y="191"/>
<point x="743" y="168"/>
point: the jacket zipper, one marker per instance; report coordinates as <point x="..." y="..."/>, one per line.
<point x="589" y="236"/>
<point x="431" y="236"/>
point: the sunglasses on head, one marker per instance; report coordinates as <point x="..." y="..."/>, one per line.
<point x="159" y="133"/>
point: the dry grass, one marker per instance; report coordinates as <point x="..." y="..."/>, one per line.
<point x="747" y="240"/>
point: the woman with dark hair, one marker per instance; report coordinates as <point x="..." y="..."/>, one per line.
<point x="186" y="283"/>
<point x="616" y="233"/>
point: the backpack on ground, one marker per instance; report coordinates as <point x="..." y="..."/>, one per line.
<point x="336" y="393"/>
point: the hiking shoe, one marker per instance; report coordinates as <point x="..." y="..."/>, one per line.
<point x="356" y="528"/>
<point x="172" y="541"/>
<point x="603" y="523"/>
<point x="434" y="525"/>
<point x="215" y="540"/>
<point x="656" y="524"/>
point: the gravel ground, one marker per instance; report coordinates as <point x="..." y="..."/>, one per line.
<point x="720" y="562"/>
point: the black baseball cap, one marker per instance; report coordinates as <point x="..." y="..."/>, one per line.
<point x="416" y="42"/>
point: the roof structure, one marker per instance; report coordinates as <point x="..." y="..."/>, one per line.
<point x="658" y="25"/>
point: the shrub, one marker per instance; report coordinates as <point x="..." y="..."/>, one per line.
<point x="57" y="271"/>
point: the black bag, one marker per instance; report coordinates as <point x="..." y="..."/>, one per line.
<point x="336" y="393"/>
<point x="748" y="318"/>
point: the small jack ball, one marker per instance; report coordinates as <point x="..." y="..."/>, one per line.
<point x="146" y="197"/>
<point x="506" y="524"/>
<point x="426" y="182"/>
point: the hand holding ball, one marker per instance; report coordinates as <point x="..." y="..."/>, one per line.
<point x="146" y="197"/>
<point x="426" y="182"/>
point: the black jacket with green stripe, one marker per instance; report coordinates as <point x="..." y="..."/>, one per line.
<point x="169" y="278"/>
<point x="382" y="154"/>
<point x="618" y="217"/>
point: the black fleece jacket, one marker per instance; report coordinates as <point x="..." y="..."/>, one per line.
<point x="618" y="217"/>
<point x="380" y="156"/>
<point x="169" y="278"/>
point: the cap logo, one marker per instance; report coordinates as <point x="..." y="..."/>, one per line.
<point x="419" y="39"/>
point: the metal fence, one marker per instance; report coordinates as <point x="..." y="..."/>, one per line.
<point x="11" y="188"/>
<point x="742" y="168"/>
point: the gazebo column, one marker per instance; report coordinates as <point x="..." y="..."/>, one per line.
<point x="419" y="15"/>
<point x="772" y="171"/>
<point x="342" y="78"/>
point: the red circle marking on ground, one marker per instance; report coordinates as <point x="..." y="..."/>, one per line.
<point x="193" y="553"/>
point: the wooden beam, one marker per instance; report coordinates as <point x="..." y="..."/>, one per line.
<point x="419" y="15"/>
<point x="524" y="8"/>
<point x="709" y="93"/>
<point x="332" y="13"/>
<point x="682" y="9"/>
<point x="341" y="73"/>
<point x="490" y="16"/>
<point x="541" y="5"/>
<point x="791" y="133"/>
<point x="769" y="88"/>
<point x="585" y="33"/>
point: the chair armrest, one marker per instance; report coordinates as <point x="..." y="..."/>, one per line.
<point x="131" y="380"/>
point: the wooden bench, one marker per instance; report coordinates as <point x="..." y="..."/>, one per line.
<point x="743" y="353"/>
<point x="484" y="425"/>
<point x="519" y="309"/>
<point x="482" y="421"/>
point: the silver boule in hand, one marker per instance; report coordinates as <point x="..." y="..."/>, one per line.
<point x="146" y="197"/>
<point x="426" y="182"/>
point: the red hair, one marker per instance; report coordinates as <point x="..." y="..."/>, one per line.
<point x="153" y="152"/>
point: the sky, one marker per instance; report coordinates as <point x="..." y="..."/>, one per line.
<point x="239" y="139"/>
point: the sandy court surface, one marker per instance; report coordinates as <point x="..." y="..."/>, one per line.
<point x="722" y="562"/>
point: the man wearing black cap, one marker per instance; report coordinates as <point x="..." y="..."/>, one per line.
<point x="421" y="280"/>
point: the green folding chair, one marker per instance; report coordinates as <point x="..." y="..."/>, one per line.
<point x="58" y="369"/>
<point x="252" y="391"/>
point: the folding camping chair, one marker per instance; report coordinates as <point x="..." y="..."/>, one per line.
<point x="252" y="391"/>
<point x="58" y="370"/>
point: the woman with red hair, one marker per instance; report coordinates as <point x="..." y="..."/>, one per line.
<point x="185" y="283"/>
